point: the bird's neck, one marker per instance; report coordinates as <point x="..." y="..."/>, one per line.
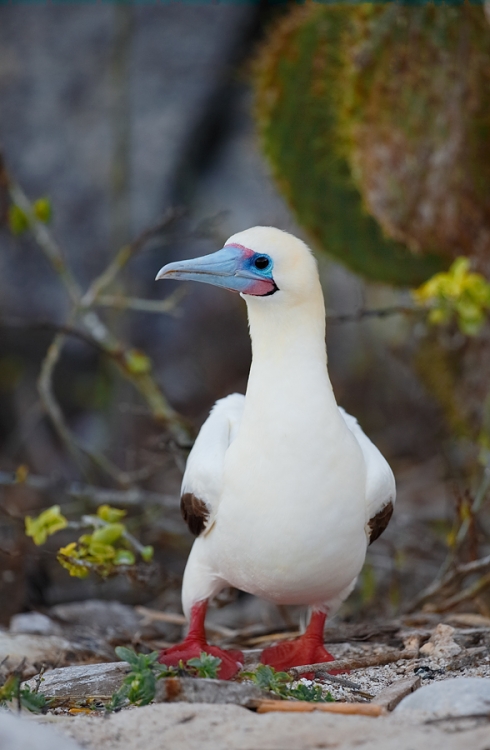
<point x="289" y="358"/>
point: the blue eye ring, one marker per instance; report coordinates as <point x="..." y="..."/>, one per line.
<point x="261" y="262"/>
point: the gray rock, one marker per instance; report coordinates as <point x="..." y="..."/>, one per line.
<point x="463" y="696"/>
<point x="85" y="680"/>
<point x="36" y="650"/>
<point x="106" y="616"/>
<point x="17" y="734"/>
<point x="34" y="623"/>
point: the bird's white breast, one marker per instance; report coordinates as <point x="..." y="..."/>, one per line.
<point x="290" y="524"/>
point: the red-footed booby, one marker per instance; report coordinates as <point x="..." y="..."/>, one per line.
<point x="282" y="488"/>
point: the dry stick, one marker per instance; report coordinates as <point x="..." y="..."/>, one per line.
<point x="468" y="593"/>
<point x="124" y="255"/>
<point x="382" y="312"/>
<point x="452" y="578"/>
<point x="363" y="709"/>
<point x="361" y="662"/>
<point x="443" y="578"/>
<point x="133" y="496"/>
<point x="144" y="382"/>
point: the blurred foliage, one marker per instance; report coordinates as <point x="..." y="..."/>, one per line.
<point x="415" y="119"/>
<point x="11" y="691"/>
<point x="382" y="109"/>
<point x="48" y="522"/>
<point x="108" y="547"/>
<point x="139" y="685"/>
<point x="279" y="683"/>
<point x="458" y="293"/>
<point x="18" y="220"/>
<point x="299" y="81"/>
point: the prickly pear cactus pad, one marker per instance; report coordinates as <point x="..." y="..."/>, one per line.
<point x="417" y="124"/>
<point x="302" y="105"/>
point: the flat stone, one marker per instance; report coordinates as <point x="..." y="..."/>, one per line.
<point x="102" y="615"/>
<point x="17" y="734"/>
<point x="34" y="623"/>
<point x="461" y="696"/>
<point x="36" y="650"/>
<point x="83" y="681"/>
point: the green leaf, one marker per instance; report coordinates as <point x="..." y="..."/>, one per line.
<point x="137" y="362"/>
<point x="147" y="553"/>
<point x="205" y="665"/>
<point x="33" y="702"/>
<point x="43" y="210"/>
<point x="127" y="654"/>
<point x="124" y="557"/>
<point x="47" y="523"/>
<point x="109" y="514"/>
<point x="109" y="533"/>
<point x="18" y="221"/>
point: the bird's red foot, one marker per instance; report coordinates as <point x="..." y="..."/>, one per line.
<point x="307" y="649"/>
<point x="231" y="661"/>
<point x="196" y="643"/>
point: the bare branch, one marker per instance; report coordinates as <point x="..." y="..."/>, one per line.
<point x="44" y="239"/>
<point x="167" y="305"/>
<point x="360" y="662"/>
<point x="382" y="312"/>
<point x="125" y="254"/>
<point x="132" y="497"/>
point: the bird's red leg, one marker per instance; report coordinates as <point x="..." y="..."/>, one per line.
<point x="195" y="642"/>
<point x="307" y="649"/>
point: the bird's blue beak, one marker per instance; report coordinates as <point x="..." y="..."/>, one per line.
<point x="233" y="268"/>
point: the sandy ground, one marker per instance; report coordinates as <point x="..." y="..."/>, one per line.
<point x="208" y="727"/>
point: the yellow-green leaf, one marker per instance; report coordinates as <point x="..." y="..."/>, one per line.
<point x="137" y="362"/>
<point x="124" y="557"/>
<point x="108" y="534"/>
<point x="147" y="553"/>
<point x="42" y="209"/>
<point x="18" y="221"/>
<point x="48" y="522"/>
<point x="109" y="514"/>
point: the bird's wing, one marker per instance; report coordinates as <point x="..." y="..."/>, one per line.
<point x="201" y="485"/>
<point x="380" y="482"/>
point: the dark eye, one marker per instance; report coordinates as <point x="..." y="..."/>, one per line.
<point x="261" y="262"/>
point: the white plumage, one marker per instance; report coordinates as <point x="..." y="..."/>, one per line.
<point x="286" y="483"/>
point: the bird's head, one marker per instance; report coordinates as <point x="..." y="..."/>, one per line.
<point x="262" y="262"/>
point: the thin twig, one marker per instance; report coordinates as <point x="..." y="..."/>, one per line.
<point x="44" y="239"/>
<point x="124" y="255"/>
<point x="131" y="497"/>
<point x="466" y="595"/>
<point x="167" y="305"/>
<point x="381" y="312"/>
<point x="363" y="709"/>
<point x="361" y="662"/>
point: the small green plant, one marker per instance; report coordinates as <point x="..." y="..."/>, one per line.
<point x="205" y="665"/>
<point x="26" y="698"/>
<point x="279" y="683"/>
<point x="456" y="294"/>
<point x="108" y="547"/>
<point x="139" y="685"/>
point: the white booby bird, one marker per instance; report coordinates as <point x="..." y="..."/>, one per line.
<point x="282" y="488"/>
